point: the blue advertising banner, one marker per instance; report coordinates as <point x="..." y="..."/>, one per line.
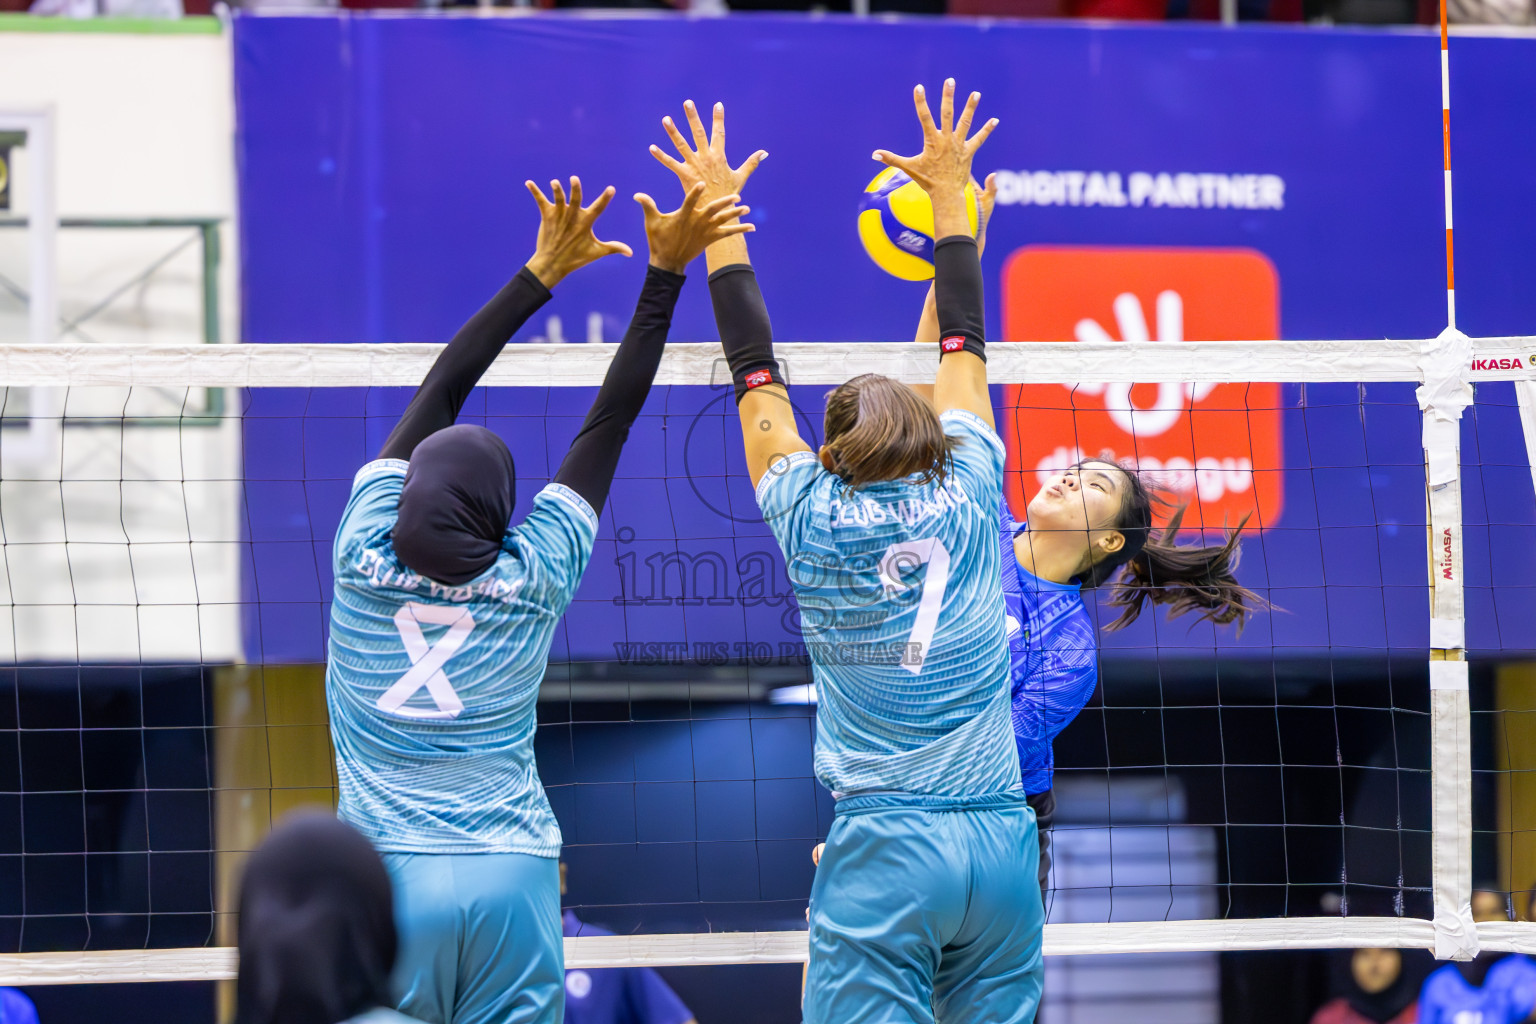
<point x="1154" y="181"/>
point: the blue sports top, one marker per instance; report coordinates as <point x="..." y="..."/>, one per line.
<point x="618" y="995"/>
<point x="1507" y="996"/>
<point x="1053" y="658"/>
<point x="432" y="688"/>
<point x="901" y="605"/>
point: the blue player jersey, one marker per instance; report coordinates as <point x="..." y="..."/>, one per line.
<point x="1053" y="658"/>
<point x="432" y="687"/>
<point x="902" y="611"/>
<point x="1514" y="978"/>
<point x="617" y="995"/>
<point x="1507" y="995"/>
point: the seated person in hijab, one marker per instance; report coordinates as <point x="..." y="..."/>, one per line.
<point x="1373" y="986"/>
<point x="616" y="995"/>
<point x="1487" y="989"/>
<point x="441" y="624"/>
<point x="317" y="928"/>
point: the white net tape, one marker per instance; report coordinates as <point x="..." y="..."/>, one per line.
<point x="1445" y="366"/>
<point x="352" y="366"/>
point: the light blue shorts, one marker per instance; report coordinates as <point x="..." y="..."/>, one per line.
<point x="927" y="909"/>
<point x="480" y="938"/>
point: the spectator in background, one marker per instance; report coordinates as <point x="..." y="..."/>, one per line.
<point x="1373" y="986"/>
<point x="616" y="995"/>
<point x="317" y="929"/>
<point x="1490" y="12"/>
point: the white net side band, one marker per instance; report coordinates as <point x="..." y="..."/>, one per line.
<point x="695" y="950"/>
<point x="577" y="365"/>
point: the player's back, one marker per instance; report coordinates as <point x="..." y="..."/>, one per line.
<point x="432" y="688"/>
<point x="901" y="608"/>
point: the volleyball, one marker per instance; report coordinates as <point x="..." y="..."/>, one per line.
<point x="896" y="224"/>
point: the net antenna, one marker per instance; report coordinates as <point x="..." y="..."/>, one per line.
<point x="32" y="130"/>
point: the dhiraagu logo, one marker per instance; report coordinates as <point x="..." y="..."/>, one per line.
<point x="1216" y="447"/>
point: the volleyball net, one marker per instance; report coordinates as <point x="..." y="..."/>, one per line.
<point x="1340" y="773"/>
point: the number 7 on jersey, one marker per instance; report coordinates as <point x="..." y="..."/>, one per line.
<point x="907" y="556"/>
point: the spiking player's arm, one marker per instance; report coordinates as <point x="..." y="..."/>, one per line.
<point x="762" y="401"/>
<point x="943" y="169"/>
<point x="566" y="243"/>
<point x="676" y="239"/>
<point x="928" y="323"/>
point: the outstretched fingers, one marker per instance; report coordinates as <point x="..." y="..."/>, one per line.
<point x="728" y="203"/>
<point x="598" y="205"/>
<point x="717" y="130"/>
<point x="920" y="100"/>
<point x="575" y="191"/>
<point x="678" y="142"/>
<point x="700" y="137"/>
<point x="737" y="228"/>
<point x="648" y="205"/>
<point x="538" y="196"/>
<point x="670" y="163"/>
<point x="691" y="200"/>
<point x="609" y="248"/>
<point x="963" y="126"/>
<point x="981" y="136"/>
<point x="748" y="166"/>
<point x="558" y="191"/>
<point x="947" y="107"/>
<point x="901" y="163"/>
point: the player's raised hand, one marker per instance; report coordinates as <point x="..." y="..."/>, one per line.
<point x="704" y="161"/>
<point x="677" y="238"/>
<point x="988" y="201"/>
<point x="566" y="239"/>
<point x="943" y="168"/>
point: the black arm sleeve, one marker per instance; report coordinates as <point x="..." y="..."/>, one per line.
<point x="441" y="395"/>
<point x="958" y="293"/>
<point x="745" y="332"/>
<point x="594" y="456"/>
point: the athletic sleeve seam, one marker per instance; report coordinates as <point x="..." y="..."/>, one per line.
<point x="778" y="469"/>
<point x="380" y="467"/>
<point x="570" y="497"/>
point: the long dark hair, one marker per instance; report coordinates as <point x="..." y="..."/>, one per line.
<point x="880" y="429"/>
<point x="1152" y="567"/>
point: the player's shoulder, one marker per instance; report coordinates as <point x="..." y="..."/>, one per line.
<point x="791" y="473"/>
<point x="1440" y="980"/>
<point x="970" y="426"/>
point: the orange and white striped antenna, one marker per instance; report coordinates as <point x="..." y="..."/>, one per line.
<point x="1445" y="118"/>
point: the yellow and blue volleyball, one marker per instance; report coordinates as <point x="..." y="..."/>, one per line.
<point x="896" y="224"/>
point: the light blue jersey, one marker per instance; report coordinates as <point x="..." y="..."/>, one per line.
<point x="902" y="611"/>
<point x="432" y="688"/>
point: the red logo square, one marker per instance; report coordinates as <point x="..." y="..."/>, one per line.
<point x="954" y="344"/>
<point x="1214" y="446"/>
<point x="757" y="378"/>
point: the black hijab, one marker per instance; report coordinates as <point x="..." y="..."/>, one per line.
<point x="317" y="926"/>
<point x="1380" y="1006"/>
<point x="457" y="501"/>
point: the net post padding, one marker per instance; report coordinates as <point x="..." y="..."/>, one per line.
<point x="1444" y="395"/>
<point x="352" y="366"/>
